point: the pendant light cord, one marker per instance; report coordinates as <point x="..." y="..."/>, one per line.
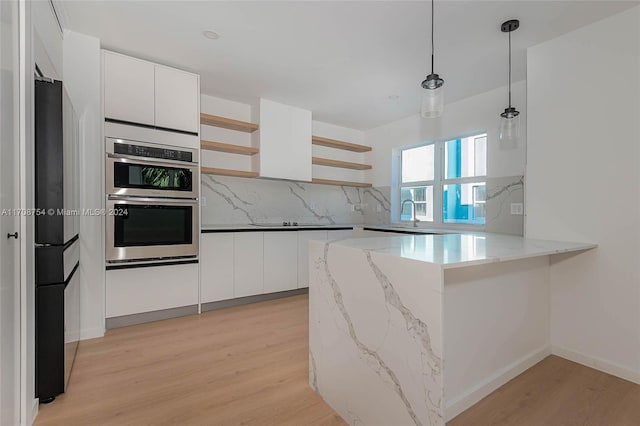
<point x="432" y="42"/>
<point x="509" y="69"/>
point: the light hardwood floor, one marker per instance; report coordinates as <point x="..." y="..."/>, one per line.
<point x="558" y="392"/>
<point x="239" y="366"/>
<point x="248" y="366"/>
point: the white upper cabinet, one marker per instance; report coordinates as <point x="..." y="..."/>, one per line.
<point x="142" y="92"/>
<point x="128" y="89"/>
<point x="176" y="106"/>
<point x="285" y="141"/>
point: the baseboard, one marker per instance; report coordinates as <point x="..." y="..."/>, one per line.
<point x="163" y="314"/>
<point x="91" y="333"/>
<point x="493" y="382"/>
<point x="212" y="306"/>
<point x="34" y="411"/>
<point x="597" y="363"/>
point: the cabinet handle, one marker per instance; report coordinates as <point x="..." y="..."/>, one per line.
<point x="14" y="235"/>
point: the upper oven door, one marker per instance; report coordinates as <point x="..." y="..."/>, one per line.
<point x="148" y="228"/>
<point x="148" y="170"/>
<point x="141" y="177"/>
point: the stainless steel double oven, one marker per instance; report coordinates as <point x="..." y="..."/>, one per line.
<point x="152" y="202"/>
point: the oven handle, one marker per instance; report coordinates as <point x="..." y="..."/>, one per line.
<point x="117" y="157"/>
<point x="153" y="200"/>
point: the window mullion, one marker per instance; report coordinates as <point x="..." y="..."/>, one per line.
<point x="437" y="186"/>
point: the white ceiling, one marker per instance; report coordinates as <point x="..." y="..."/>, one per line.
<point x="341" y="60"/>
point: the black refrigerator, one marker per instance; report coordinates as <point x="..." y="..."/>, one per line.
<point x="57" y="251"/>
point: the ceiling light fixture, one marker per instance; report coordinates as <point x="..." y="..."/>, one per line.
<point x="433" y="96"/>
<point x="510" y="121"/>
<point x="211" y="35"/>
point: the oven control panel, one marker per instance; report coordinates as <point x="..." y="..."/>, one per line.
<point x="152" y="152"/>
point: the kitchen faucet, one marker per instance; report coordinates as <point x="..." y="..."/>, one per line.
<point x="415" y="219"/>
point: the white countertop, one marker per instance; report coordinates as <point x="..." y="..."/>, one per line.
<point x="462" y="249"/>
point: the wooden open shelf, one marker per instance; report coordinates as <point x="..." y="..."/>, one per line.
<point x="341" y="183"/>
<point x="333" y="143"/>
<point x="227" y="123"/>
<point x="337" y="163"/>
<point x="227" y="147"/>
<point x="227" y="172"/>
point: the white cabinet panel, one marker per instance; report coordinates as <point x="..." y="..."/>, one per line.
<point x="176" y="99"/>
<point x="248" y="263"/>
<point x="338" y="234"/>
<point x="137" y="290"/>
<point x="128" y="88"/>
<point x="216" y="267"/>
<point x="285" y="141"/>
<point x="280" y="261"/>
<point x="303" y="254"/>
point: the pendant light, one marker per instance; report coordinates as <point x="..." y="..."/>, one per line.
<point x="433" y="96"/>
<point x="510" y="118"/>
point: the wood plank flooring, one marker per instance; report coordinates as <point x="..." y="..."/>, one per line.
<point x="558" y="392"/>
<point x="238" y="366"/>
<point x="249" y="366"/>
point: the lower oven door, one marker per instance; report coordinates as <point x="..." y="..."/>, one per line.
<point x="151" y="228"/>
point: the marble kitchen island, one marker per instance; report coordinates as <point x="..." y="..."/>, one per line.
<point x="414" y="329"/>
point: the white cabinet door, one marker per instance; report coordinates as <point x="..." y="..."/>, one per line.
<point x="285" y="141"/>
<point x="177" y="99"/>
<point x="216" y="267"/>
<point x="248" y="263"/>
<point x="280" y="261"/>
<point x="303" y="254"/>
<point x="128" y="88"/>
<point x="137" y="290"/>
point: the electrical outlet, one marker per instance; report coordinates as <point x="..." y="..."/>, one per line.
<point x="379" y="208"/>
<point x="517" y="209"/>
<point x="203" y="201"/>
<point x="353" y="208"/>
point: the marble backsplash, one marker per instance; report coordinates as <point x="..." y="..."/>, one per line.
<point x="240" y="201"/>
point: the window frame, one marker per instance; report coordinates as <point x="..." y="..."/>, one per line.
<point x="439" y="181"/>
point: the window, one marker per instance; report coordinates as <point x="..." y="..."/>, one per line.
<point x="445" y="180"/>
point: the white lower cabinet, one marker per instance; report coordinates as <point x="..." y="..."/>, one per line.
<point x="216" y="267"/>
<point x="240" y="264"/>
<point x="248" y="263"/>
<point x="303" y="254"/>
<point x="137" y="290"/>
<point x="280" y="261"/>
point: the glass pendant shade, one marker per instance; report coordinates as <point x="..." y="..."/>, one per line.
<point x="509" y="128"/>
<point x="432" y="97"/>
<point x="433" y="94"/>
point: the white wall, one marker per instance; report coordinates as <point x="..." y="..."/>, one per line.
<point x="470" y="115"/>
<point x="82" y="69"/>
<point x="583" y="184"/>
<point x="47" y="45"/>
<point x="29" y="405"/>
<point x="345" y="134"/>
<point x="228" y="109"/>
